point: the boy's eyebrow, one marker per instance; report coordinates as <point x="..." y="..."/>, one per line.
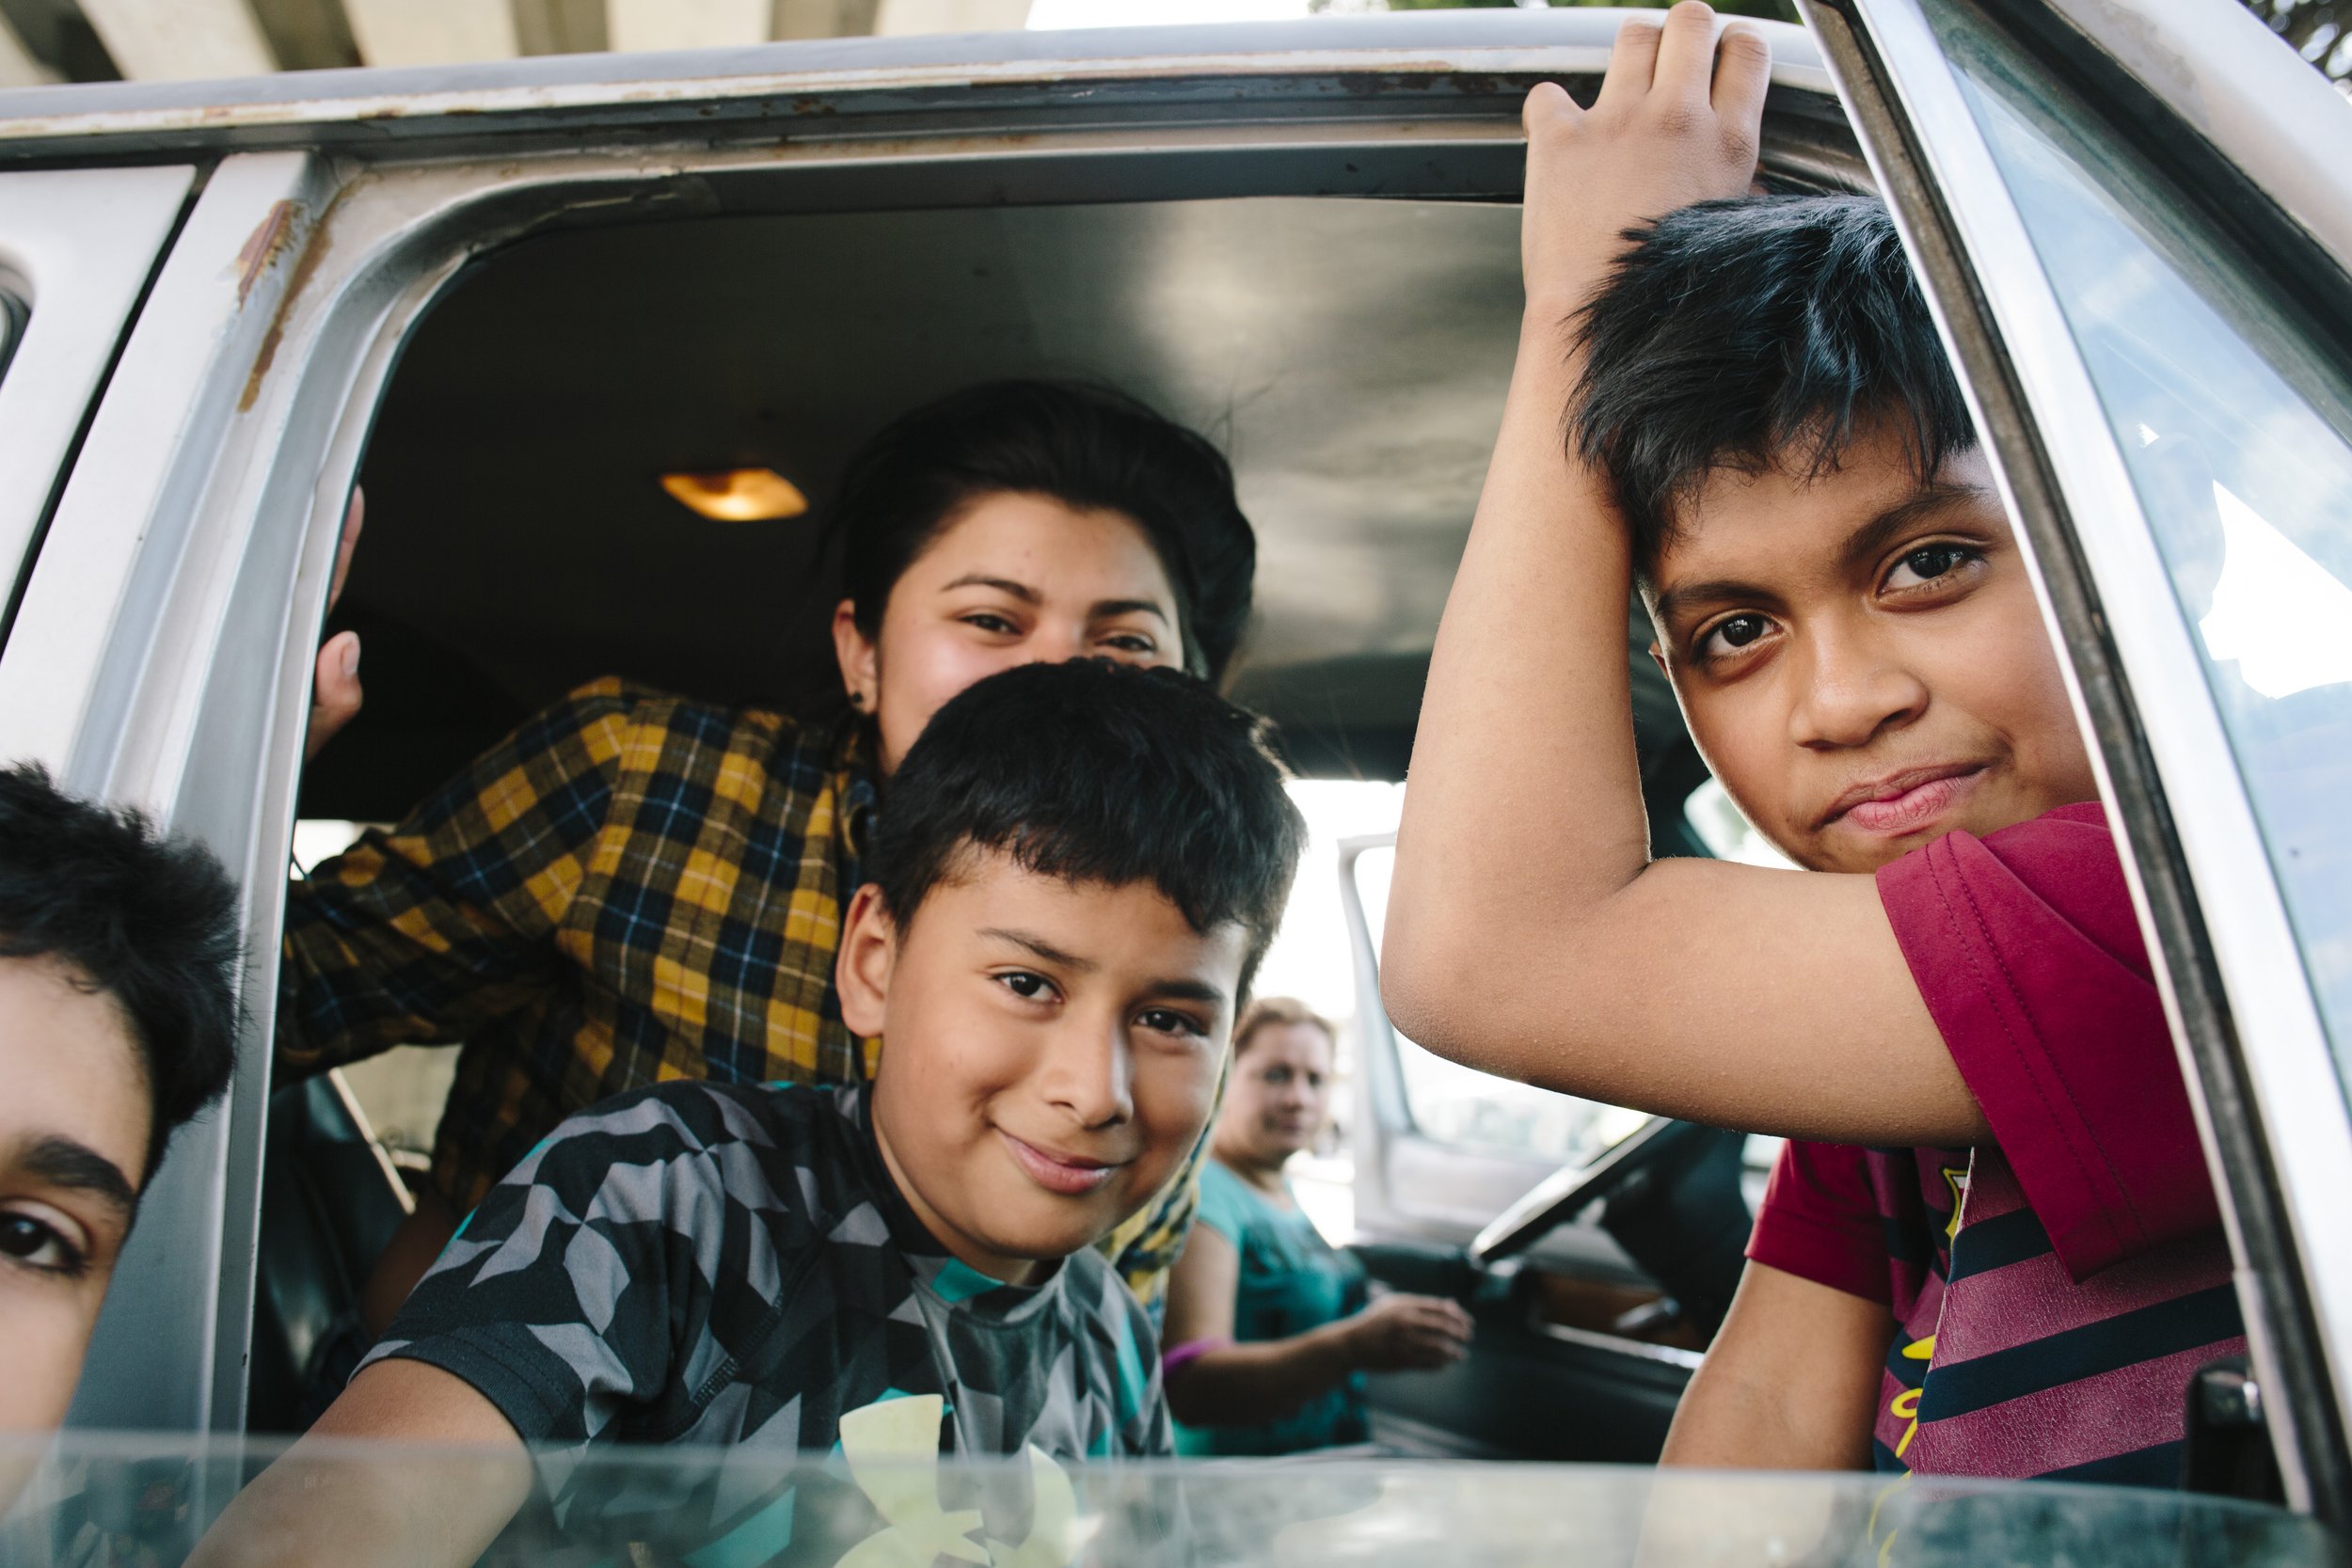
<point x="1188" y="990"/>
<point x="1042" y="948"/>
<point x="1873" y="536"/>
<point x="62" y="1161"/>
<point x="1175" y="989"/>
<point x="1677" y="600"/>
<point x="1860" y="546"/>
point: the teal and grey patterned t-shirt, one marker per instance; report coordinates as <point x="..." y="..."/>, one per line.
<point x="720" y="1264"/>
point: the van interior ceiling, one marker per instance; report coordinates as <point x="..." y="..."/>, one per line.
<point x="1349" y="354"/>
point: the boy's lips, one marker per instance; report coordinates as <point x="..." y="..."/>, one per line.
<point x="1070" y="1175"/>
<point x="1904" y="803"/>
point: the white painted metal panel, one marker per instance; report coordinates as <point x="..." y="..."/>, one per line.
<point x="179" y="41"/>
<point x="432" y="32"/>
<point x="75" y="247"/>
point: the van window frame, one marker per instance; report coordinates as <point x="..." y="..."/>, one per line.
<point x="221" y="555"/>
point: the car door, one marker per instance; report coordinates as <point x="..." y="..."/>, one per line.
<point x="2135" y="227"/>
<point x="76" y="247"/>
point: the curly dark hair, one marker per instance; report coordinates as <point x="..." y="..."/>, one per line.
<point x="148" y="921"/>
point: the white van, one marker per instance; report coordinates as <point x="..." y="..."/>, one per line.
<point x="509" y="298"/>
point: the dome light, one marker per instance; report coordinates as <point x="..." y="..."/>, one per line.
<point x="738" y="494"/>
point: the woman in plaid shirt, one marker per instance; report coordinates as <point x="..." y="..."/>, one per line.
<point x="635" y="887"/>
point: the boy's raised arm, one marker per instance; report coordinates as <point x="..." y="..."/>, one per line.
<point x="1529" y="934"/>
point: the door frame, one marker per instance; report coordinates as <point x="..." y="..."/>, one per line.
<point x="2270" y="1109"/>
<point x="163" y="657"/>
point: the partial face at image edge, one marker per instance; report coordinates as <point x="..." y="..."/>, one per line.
<point x="73" y="1133"/>
<point x="1860" y="657"/>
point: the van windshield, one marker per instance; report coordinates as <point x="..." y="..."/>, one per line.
<point x="107" y="1498"/>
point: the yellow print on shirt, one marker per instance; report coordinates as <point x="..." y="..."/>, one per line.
<point x="1905" y="1406"/>
<point x="885" y="1445"/>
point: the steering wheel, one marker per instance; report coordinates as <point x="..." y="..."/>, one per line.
<point x="1567" y="1193"/>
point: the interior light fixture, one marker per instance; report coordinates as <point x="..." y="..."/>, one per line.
<point x="738" y="494"/>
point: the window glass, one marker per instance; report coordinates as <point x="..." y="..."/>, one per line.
<point x="890" y="1496"/>
<point x="1727" y="835"/>
<point x="1467" y="1109"/>
<point x="2234" y="429"/>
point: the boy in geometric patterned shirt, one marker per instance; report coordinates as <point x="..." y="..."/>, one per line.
<point x="1080" y="868"/>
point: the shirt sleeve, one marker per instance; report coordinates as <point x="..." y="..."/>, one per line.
<point x="419" y="936"/>
<point x="2027" y="952"/>
<point x="1220" y="1207"/>
<point x="1821" y="1220"/>
<point x="563" y="1297"/>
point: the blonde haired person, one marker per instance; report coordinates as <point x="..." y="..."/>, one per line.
<point x="1268" y="1326"/>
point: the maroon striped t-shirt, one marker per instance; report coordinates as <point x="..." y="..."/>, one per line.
<point x="2055" y="1288"/>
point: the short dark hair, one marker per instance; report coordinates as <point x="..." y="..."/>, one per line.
<point x="1098" y="772"/>
<point x="1752" y="334"/>
<point x="1085" y="446"/>
<point x="150" y="921"/>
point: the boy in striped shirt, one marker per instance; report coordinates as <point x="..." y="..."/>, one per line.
<point x="1992" y="1247"/>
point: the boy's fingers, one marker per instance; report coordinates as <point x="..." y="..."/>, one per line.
<point x="1686" y="52"/>
<point x="1743" y="73"/>
<point x="1631" y="61"/>
<point x="1548" y="104"/>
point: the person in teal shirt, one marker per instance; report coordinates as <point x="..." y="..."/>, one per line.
<point x="1269" y="1327"/>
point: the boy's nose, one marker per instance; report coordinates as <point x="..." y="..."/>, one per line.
<point x="1088" y="1074"/>
<point x="1849" y="690"/>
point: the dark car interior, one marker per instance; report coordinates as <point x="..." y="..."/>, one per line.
<point x="1349" y="354"/>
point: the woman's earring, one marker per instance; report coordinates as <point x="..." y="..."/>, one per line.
<point x="857" y="700"/>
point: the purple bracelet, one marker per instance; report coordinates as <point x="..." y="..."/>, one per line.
<point x="1188" y="1353"/>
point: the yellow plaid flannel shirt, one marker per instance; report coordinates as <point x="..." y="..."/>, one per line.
<point x="630" y="888"/>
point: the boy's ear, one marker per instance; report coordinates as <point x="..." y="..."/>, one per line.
<point x="861" y="667"/>
<point x="1659" y="659"/>
<point x="861" y="970"/>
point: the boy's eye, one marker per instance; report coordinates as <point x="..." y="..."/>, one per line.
<point x="1733" y="633"/>
<point x="38" y="1246"/>
<point x="1926" y="564"/>
<point x="1029" y="987"/>
<point x="1166" y="1020"/>
<point x="1132" y="642"/>
<point x="989" y="621"/>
